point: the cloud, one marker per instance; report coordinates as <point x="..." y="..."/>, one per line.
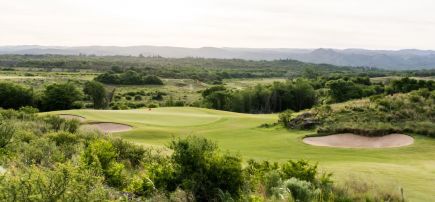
<point x="377" y="24"/>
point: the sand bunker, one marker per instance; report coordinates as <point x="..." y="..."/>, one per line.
<point x="348" y="140"/>
<point x="71" y="116"/>
<point x="108" y="127"/>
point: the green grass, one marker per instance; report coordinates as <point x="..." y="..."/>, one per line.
<point x="411" y="167"/>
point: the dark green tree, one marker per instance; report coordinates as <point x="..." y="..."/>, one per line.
<point x="97" y="92"/>
<point x="341" y="90"/>
<point x="14" y="96"/>
<point x="60" y="96"/>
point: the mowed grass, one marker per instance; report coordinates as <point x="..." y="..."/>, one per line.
<point x="411" y="167"/>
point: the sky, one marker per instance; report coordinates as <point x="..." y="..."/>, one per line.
<point x="370" y="24"/>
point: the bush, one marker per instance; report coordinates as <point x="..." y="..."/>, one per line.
<point x="57" y="123"/>
<point x="130" y="152"/>
<point x="301" y="170"/>
<point x="272" y="183"/>
<point x="137" y="98"/>
<point x="285" y="116"/>
<point x="300" y="190"/>
<point x="62" y="183"/>
<point x="152" y="105"/>
<point x="203" y="171"/>
<point x="101" y="156"/>
<point x="7" y="131"/>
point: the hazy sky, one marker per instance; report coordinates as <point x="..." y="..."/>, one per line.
<point x="374" y="24"/>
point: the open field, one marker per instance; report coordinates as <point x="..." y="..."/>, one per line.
<point x="411" y="167"/>
<point x="389" y="78"/>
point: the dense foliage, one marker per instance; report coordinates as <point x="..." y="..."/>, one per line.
<point x="129" y="77"/>
<point x="299" y="94"/>
<point x="60" y="96"/>
<point x="413" y="112"/>
<point x="15" y="96"/>
<point x="295" y="95"/>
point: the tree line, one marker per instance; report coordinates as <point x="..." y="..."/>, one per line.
<point x="302" y="94"/>
<point x="54" y="97"/>
<point x="279" y="96"/>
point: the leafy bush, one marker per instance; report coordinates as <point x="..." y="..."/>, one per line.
<point x="130" y="152"/>
<point x="57" y="123"/>
<point x="101" y="156"/>
<point x="301" y="170"/>
<point x="203" y="171"/>
<point x="62" y="183"/>
<point x="7" y="131"/>
<point x="300" y="190"/>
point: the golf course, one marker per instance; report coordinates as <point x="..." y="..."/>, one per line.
<point x="411" y="168"/>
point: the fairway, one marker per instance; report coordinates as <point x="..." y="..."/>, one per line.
<point x="411" y="167"/>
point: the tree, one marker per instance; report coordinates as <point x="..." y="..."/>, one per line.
<point x="14" y="96"/>
<point x="60" y="96"/>
<point x="304" y="95"/>
<point x="217" y="97"/>
<point x="341" y="90"/>
<point x="97" y="92"/>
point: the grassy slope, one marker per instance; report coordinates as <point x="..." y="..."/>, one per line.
<point x="412" y="167"/>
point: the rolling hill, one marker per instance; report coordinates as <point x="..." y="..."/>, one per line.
<point x="387" y="59"/>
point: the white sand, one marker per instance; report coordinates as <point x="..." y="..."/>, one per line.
<point x="108" y="127"/>
<point x="349" y="140"/>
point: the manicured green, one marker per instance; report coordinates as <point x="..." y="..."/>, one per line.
<point x="411" y="167"/>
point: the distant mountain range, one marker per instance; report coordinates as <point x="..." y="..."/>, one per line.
<point x="386" y="59"/>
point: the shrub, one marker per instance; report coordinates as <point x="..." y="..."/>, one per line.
<point x="134" y="154"/>
<point x="272" y="183"/>
<point x="153" y="105"/>
<point x="7" y="131"/>
<point x="101" y="156"/>
<point x="301" y="170"/>
<point x="62" y="183"/>
<point x="40" y="151"/>
<point x="203" y="171"/>
<point x="57" y="123"/>
<point x="300" y="190"/>
<point x="137" y="98"/>
<point x="285" y="117"/>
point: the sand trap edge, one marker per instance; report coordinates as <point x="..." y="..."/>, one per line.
<point x="349" y="140"/>
<point x="108" y="127"/>
<point x="72" y="116"/>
